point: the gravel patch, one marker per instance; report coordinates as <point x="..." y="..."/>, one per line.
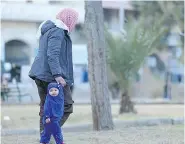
<point x="133" y="135"/>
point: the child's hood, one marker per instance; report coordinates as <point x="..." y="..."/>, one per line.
<point x="60" y="95"/>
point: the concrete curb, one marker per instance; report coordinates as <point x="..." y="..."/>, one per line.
<point x="112" y="102"/>
<point x="118" y="125"/>
<point x="150" y="122"/>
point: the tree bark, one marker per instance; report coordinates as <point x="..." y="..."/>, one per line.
<point x="126" y="105"/>
<point x="101" y="108"/>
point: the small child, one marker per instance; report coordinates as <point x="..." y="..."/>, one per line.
<point x="53" y="112"/>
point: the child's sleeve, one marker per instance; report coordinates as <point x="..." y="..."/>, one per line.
<point x="47" y="110"/>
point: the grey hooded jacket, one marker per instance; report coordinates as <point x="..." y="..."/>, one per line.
<point x="54" y="56"/>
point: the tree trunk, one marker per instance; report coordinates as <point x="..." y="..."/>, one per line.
<point x="126" y="105"/>
<point x="101" y="108"/>
<point x="114" y="89"/>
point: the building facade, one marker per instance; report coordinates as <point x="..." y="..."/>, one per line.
<point x="20" y="21"/>
<point x="19" y="25"/>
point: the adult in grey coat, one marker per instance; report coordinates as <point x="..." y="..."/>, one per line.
<point x="54" y="59"/>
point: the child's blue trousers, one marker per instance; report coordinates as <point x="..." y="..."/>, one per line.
<point x="52" y="128"/>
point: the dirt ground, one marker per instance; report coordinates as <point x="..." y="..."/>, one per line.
<point x="137" y="135"/>
<point x="26" y="116"/>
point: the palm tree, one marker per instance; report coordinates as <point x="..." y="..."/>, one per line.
<point x="126" y="53"/>
<point x="172" y="11"/>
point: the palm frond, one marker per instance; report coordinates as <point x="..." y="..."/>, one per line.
<point x="126" y="56"/>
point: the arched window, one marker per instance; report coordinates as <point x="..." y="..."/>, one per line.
<point x="17" y="52"/>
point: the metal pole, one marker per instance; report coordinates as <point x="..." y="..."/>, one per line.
<point x="2" y="49"/>
<point x="121" y="17"/>
<point x="167" y="87"/>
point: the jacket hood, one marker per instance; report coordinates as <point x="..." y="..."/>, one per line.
<point x="47" y="26"/>
<point x="55" y="99"/>
<point x="57" y="86"/>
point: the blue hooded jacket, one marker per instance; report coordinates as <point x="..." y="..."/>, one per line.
<point x="54" y="105"/>
<point x="54" y="56"/>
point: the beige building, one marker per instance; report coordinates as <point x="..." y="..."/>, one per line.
<point x="20" y="20"/>
<point x="19" y="24"/>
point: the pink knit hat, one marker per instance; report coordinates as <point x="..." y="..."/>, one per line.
<point x="69" y="17"/>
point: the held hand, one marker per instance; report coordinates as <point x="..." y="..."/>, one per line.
<point x="61" y="81"/>
<point x="48" y="120"/>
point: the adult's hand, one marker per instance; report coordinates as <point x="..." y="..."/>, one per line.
<point x="48" y="120"/>
<point x="60" y="80"/>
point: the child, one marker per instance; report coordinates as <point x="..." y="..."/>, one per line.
<point x="53" y="112"/>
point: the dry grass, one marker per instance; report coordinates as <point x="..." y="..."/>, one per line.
<point x="26" y="116"/>
<point x="144" y="135"/>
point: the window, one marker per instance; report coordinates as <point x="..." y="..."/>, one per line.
<point x="111" y="18"/>
<point x="55" y="2"/>
<point x="29" y="1"/>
